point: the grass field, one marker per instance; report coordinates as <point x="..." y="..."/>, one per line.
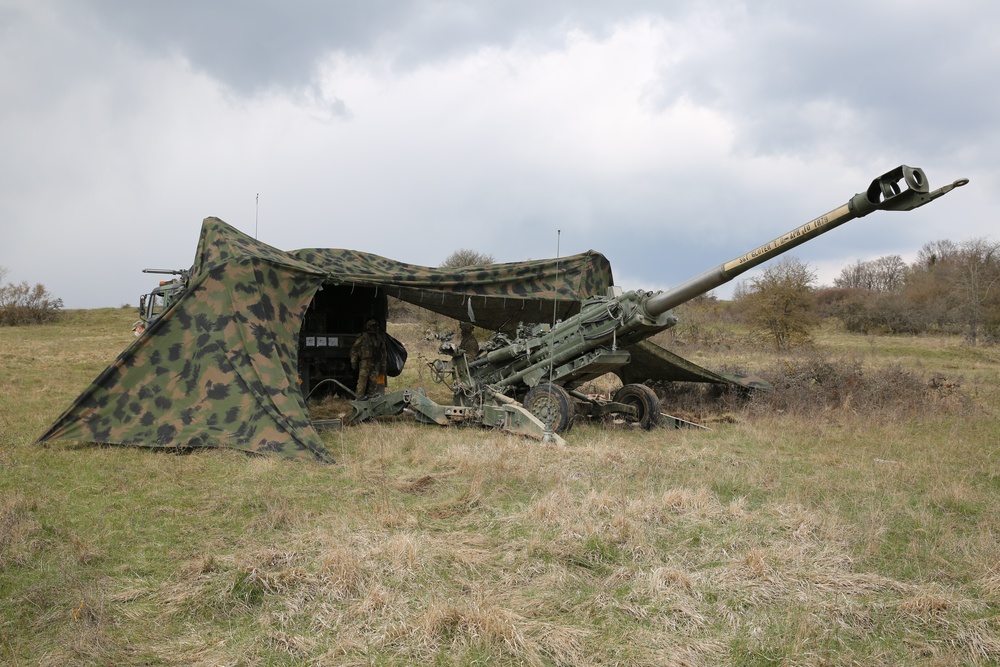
<point x="852" y="518"/>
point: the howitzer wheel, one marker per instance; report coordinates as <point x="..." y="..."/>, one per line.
<point x="644" y="400"/>
<point x="553" y="406"/>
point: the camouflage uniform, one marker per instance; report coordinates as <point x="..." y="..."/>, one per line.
<point x="468" y="344"/>
<point x="368" y="357"/>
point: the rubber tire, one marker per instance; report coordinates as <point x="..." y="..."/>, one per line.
<point x="553" y="406"/>
<point x="644" y="399"/>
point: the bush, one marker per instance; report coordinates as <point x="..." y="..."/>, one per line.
<point x="779" y="302"/>
<point x="813" y="382"/>
<point x="22" y="304"/>
<point x="701" y="402"/>
<point x="401" y="311"/>
<point x="869" y="312"/>
<point x="704" y="320"/>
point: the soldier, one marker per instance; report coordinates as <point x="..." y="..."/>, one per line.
<point x="468" y="344"/>
<point x="368" y="357"/>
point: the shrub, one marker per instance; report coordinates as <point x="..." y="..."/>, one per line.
<point x="779" y="302"/>
<point x="813" y="382"/>
<point x="22" y="304"/>
<point x="809" y="383"/>
<point x="868" y="312"/>
<point x="704" y="320"/>
<point x="700" y="401"/>
<point x="401" y="311"/>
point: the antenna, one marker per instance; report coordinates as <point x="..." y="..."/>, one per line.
<point x="256" y="216"/>
<point x="558" y="238"/>
<point x="552" y="340"/>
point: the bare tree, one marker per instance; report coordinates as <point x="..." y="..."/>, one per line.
<point x="853" y="276"/>
<point x="936" y="251"/>
<point x="465" y="257"/>
<point x="977" y="285"/>
<point x="883" y="274"/>
<point x="958" y="284"/>
<point x="890" y="271"/>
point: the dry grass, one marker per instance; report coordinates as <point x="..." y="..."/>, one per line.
<point x="834" y="531"/>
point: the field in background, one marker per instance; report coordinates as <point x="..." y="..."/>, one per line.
<point x="852" y="517"/>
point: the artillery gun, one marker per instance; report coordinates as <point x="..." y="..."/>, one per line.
<point x="528" y="384"/>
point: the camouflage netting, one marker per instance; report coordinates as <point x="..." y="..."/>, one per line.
<point x="493" y="296"/>
<point x="652" y="362"/>
<point x="220" y="367"/>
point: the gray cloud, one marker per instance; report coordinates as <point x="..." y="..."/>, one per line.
<point x="275" y="43"/>
<point x="671" y="141"/>
<point x="863" y="76"/>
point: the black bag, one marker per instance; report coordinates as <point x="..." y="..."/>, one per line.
<point x="395" y="356"/>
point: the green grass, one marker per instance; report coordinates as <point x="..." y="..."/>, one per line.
<point x="839" y="535"/>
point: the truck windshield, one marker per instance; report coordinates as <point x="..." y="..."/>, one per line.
<point x="154" y="306"/>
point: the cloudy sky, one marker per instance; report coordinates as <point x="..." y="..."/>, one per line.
<point x="671" y="136"/>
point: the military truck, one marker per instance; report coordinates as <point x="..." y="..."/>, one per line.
<point x="154" y="304"/>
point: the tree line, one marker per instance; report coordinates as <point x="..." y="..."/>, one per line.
<point x="951" y="287"/>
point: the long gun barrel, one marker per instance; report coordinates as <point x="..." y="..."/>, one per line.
<point x="173" y="272"/>
<point x="572" y="346"/>
<point x="884" y="194"/>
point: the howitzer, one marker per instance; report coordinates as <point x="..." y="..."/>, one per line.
<point x="528" y="384"/>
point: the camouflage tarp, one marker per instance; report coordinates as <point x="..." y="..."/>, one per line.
<point x="494" y="296"/>
<point x="220" y="367"/>
<point x="652" y="362"/>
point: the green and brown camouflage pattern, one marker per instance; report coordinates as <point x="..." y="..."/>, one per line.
<point x="220" y="367"/>
<point x="494" y="296"/>
<point x="652" y="362"/>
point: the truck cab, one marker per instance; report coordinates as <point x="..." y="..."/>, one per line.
<point x="154" y="304"/>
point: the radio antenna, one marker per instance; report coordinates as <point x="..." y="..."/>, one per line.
<point x="552" y="357"/>
<point x="558" y="237"/>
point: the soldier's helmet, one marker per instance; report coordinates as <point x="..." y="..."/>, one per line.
<point x="371" y="325"/>
<point x="466" y="327"/>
